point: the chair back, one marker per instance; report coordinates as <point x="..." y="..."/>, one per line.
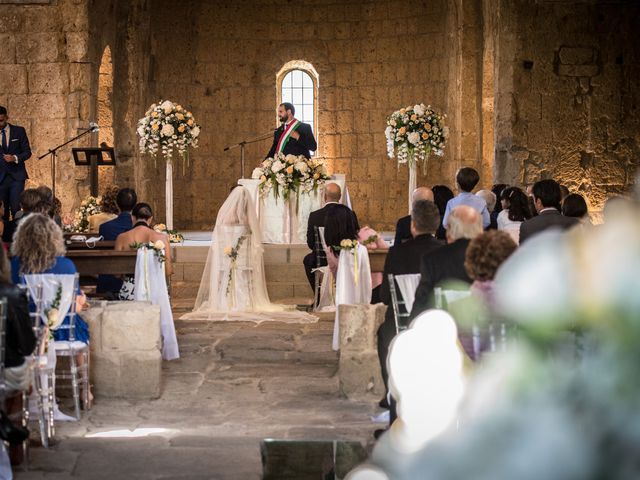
<point x="319" y="246"/>
<point x="402" y="298"/>
<point x="53" y="298"/>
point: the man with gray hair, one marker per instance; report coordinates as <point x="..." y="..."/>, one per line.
<point x="447" y="262"/>
<point x="403" y="227"/>
<point x="402" y="259"/>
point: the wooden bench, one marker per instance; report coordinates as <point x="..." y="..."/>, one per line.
<point x="377" y="258"/>
<point x="91" y="262"/>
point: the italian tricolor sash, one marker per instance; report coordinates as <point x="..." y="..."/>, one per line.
<point x="286" y="135"/>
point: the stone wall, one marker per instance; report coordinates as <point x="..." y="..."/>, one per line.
<point x="531" y="89"/>
<point x="569" y="95"/>
<point x="45" y="82"/>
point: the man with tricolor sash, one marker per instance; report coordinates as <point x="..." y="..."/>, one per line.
<point x="293" y="137"/>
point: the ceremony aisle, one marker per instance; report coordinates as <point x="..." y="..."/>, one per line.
<point x="235" y="384"/>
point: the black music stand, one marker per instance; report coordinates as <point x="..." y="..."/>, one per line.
<point x="92" y="158"/>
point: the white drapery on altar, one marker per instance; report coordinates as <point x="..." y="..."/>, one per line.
<point x="280" y="221"/>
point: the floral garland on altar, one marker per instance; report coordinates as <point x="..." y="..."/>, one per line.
<point x="168" y="127"/>
<point x="413" y="133"/>
<point x="290" y="173"/>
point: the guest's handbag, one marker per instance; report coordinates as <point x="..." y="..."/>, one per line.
<point x="9" y="432"/>
<point x="127" y="289"/>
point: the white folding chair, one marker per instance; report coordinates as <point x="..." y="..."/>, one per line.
<point x="403" y="303"/>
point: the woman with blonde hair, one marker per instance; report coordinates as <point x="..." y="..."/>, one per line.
<point x="38" y="247"/>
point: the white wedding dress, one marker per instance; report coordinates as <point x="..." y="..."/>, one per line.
<point x="233" y="285"/>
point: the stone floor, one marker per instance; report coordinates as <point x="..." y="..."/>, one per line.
<point x="235" y="384"/>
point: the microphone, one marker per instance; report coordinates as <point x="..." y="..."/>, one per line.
<point x="94" y="127"/>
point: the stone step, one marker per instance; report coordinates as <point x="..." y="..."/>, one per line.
<point x="277" y="290"/>
<point x="273" y="254"/>
<point x="274" y="273"/>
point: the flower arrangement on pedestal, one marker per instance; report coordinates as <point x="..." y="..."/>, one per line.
<point x="413" y="133"/>
<point x="167" y="128"/>
<point x="285" y="174"/>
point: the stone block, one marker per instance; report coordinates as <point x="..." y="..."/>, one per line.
<point x="13" y="79"/>
<point x="7" y="49"/>
<point x="49" y="78"/>
<point x="93" y="318"/>
<point x="48" y="105"/>
<point x="359" y="369"/>
<point x="80" y="77"/>
<point x="578" y="70"/>
<point x="140" y="374"/>
<point x="39" y="47"/>
<point x="577" y="55"/>
<point x="77" y="46"/>
<point x="134" y="326"/>
<point x="105" y="373"/>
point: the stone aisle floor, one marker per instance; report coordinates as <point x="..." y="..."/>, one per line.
<point x="235" y="384"/>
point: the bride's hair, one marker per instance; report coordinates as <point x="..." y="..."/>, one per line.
<point x="340" y="225"/>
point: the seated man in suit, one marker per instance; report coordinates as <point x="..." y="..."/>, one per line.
<point x="547" y="196"/>
<point x="126" y="200"/>
<point x="447" y="262"/>
<point x="332" y="194"/>
<point x="403" y="227"/>
<point x="401" y="260"/>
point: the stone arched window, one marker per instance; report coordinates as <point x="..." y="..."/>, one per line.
<point x="297" y="83"/>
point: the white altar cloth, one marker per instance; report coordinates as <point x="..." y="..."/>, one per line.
<point x="279" y="220"/>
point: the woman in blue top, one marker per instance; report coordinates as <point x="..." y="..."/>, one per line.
<point x="38" y="247"/>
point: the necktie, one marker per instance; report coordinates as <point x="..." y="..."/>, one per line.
<point x="4" y="140"/>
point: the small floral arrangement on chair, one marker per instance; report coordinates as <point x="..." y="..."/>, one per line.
<point x="174" y="235"/>
<point x="233" y="253"/>
<point x="53" y="313"/>
<point x="157" y="247"/>
<point x="89" y="206"/>
<point x="352" y="246"/>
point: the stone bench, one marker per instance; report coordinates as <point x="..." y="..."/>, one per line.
<point x="359" y="367"/>
<point x="126" y="357"/>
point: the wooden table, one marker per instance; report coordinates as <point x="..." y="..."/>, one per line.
<point x="377" y="258"/>
<point x="96" y="262"/>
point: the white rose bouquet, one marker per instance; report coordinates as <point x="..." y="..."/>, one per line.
<point x="167" y="128"/>
<point x="89" y="206"/>
<point x="174" y="235"/>
<point x="413" y="133"/>
<point x="290" y="173"/>
<point x="156" y="247"/>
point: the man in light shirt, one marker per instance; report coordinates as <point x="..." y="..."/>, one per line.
<point x="467" y="178"/>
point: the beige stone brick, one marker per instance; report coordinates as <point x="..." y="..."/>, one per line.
<point x="39" y="105"/>
<point x="7" y="48"/>
<point x="80" y="77"/>
<point x="13" y="79"/>
<point x="134" y="326"/>
<point x="48" y="78"/>
<point x="77" y="46"/>
<point x="39" y="47"/>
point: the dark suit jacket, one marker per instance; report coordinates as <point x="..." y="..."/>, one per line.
<point x="402" y="259"/>
<point x="318" y="218"/>
<point x="20" y="340"/>
<point x="547" y="219"/>
<point x="302" y="146"/>
<point x="403" y="230"/>
<point x="18" y="145"/>
<point x="111" y="229"/>
<point x="445" y="263"/>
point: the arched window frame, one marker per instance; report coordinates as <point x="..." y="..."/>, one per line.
<point x="307" y="68"/>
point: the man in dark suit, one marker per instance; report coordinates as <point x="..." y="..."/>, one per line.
<point x="15" y="150"/>
<point x="403" y="259"/>
<point x="546" y="197"/>
<point x="447" y="262"/>
<point x="293" y="137"/>
<point x="403" y="227"/>
<point x="126" y="200"/>
<point x="318" y="218"/>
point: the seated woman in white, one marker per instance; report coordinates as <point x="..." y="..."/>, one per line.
<point x="515" y="210"/>
<point x="233" y="285"/>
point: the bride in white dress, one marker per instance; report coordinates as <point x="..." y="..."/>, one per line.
<point x="233" y="285"/>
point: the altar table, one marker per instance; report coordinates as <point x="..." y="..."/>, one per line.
<point x="286" y="222"/>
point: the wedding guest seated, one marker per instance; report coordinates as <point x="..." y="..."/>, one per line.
<point x="403" y="259"/>
<point x="141" y="232"/>
<point x="48" y="205"/>
<point x="109" y="211"/>
<point x="403" y="227"/>
<point x="575" y="206"/>
<point x="340" y="224"/>
<point x="368" y="237"/>
<point x="441" y="196"/>
<point x="466" y="180"/>
<point x="317" y="218"/>
<point x="491" y="200"/>
<point x="515" y="210"/>
<point x="546" y="197"/>
<point x="38" y="247"/>
<point x="497" y="190"/>
<point x="447" y="262"/>
<point x="126" y="198"/>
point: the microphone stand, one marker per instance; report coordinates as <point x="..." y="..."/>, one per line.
<point x="242" y="144"/>
<point x="53" y="153"/>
